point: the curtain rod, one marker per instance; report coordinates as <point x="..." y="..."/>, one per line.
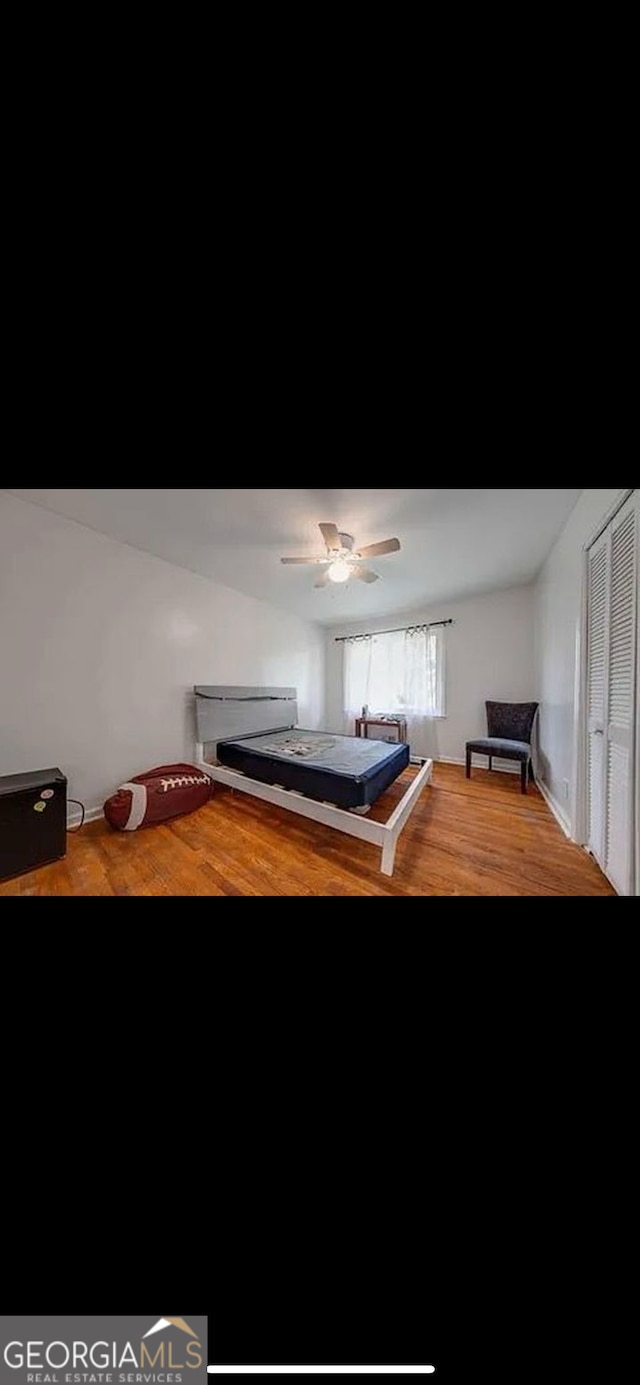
<point x="403" y="630"/>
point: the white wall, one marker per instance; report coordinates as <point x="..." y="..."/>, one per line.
<point x="489" y="657"/>
<point x="101" y="646"/>
<point x="558" y="605"/>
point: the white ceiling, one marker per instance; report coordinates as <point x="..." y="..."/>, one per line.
<point x="454" y="542"/>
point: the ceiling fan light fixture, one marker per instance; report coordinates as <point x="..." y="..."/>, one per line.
<point x="339" y="571"/>
<point x="342" y="559"/>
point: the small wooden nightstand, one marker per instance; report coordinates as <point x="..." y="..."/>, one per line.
<point x="390" y="724"/>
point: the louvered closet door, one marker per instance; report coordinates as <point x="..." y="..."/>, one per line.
<point x="620" y="741"/>
<point x="598" y="679"/>
<point x="613" y="584"/>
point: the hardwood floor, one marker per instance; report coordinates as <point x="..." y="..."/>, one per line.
<point x="478" y="837"/>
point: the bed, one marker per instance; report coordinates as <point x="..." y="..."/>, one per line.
<point x="249" y="740"/>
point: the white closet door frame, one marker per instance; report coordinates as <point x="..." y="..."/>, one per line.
<point x="581" y="825"/>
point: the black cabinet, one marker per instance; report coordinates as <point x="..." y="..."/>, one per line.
<point x="33" y="821"/>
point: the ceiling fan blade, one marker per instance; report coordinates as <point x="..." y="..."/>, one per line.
<point x="323" y="580"/>
<point x="365" y="574"/>
<point x="331" y="536"/>
<point x="297" y="561"/>
<point x="377" y="550"/>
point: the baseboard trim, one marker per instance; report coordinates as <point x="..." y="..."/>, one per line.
<point x="497" y="769"/>
<point x="74" y="818"/>
<point x="555" y="808"/>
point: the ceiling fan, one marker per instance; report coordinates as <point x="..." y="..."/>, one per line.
<point x="342" y="559"/>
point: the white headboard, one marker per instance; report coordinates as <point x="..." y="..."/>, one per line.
<point x="223" y="713"/>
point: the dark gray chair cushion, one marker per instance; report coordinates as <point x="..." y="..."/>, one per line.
<point x="509" y="750"/>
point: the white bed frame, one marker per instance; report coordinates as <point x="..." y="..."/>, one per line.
<point x="224" y="713"/>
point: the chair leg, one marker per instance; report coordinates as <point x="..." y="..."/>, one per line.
<point x="525" y="773"/>
<point x="468" y="764"/>
<point x="490" y="763"/>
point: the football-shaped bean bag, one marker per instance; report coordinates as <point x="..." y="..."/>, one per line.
<point x="160" y="794"/>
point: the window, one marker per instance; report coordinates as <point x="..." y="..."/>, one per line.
<point x="401" y="673"/>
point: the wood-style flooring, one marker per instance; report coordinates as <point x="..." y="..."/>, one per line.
<point x="478" y="837"/>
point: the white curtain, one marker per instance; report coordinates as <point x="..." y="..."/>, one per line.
<point x="402" y="673"/>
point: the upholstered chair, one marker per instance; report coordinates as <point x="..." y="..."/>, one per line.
<point x="510" y="729"/>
